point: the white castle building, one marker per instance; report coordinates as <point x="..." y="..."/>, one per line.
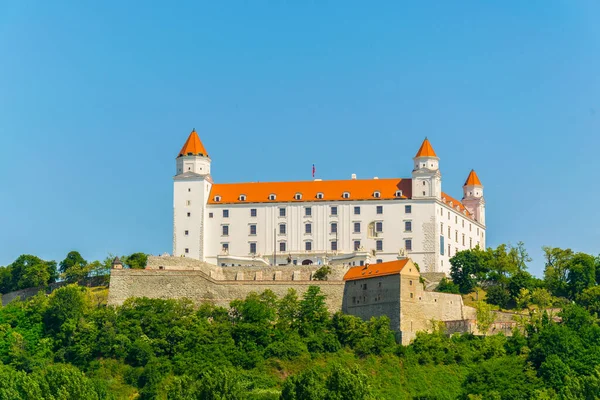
<point x="352" y="222"/>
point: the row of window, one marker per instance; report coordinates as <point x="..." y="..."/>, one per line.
<point x="456" y="233"/>
<point x="308" y="228"/>
<point x="319" y="196"/>
<point x="308" y="246"/>
<point x="308" y="211"/>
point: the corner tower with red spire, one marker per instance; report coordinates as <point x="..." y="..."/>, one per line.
<point x="191" y="189"/>
<point x="473" y="197"/>
<point x="426" y="176"/>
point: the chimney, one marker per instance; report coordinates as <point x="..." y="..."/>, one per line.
<point x="353" y="176"/>
<point x="376" y="177"/>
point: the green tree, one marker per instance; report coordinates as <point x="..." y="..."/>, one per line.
<point x="313" y="315"/>
<point x="468" y="269"/>
<point x="345" y="384"/>
<point x="288" y="311"/>
<point x="322" y="273"/>
<point x="136" y="260"/>
<point x="73" y="259"/>
<point x="485" y="317"/>
<point x="590" y="299"/>
<point x="307" y="385"/>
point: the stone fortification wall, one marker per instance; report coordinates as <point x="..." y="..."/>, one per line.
<point x="201" y="287"/>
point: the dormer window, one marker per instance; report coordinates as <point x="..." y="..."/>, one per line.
<point x="320" y="196"/>
<point x="451" y="204"/>
<point x="272" y="196"/>
<point x="346" y="195"/>
<point x="398" y="193"/>
<point x="217" y="198"/>
<point x="377" y="194"/>
<point x="298" y="196"/>
<point x="242" y="197"/>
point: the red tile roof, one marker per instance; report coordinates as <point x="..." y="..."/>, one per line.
<point x="193" y="146"/>
<point x="426" y="150"/>
<point x="449" y="199"/>
<point x="373" y="270"/>
<point x="472" y="179"/>
<point x="358" y="189"/>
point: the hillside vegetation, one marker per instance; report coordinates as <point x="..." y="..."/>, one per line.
<point x="70" y="345"/>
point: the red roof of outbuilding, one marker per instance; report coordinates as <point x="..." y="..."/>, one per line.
<point x="373" y="270"/>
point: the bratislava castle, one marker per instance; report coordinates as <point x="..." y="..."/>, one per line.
<point x="351" y="222"/>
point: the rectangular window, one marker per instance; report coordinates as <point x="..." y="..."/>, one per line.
<point x="282" y="212"/>
<point x="356" y="245"/>
<point x="281" y="246"/>
<point x="379" y="209"/>
<point x="408" y="244"/>
<point x="441" y="228"/>
<point x="187" y="233"/>
<point x="188" y="203"/>
<point x="463" y="236"/>
<point x="379" y="261"/>
<point x="449" y="252"/>
<point x="470" y="243"/>
<point x="252" y="248"/>
<point x="449" y="234"/>
<point x="282" y="229"/>
<point x="463" y="223"/>
<point x="187" y="250"/>
<point x="334" y="246"/>
<point x="253" y="212"/>
<point x="408" y="209"/>
<point x="357" y="227"/>
<point x="225" y="247"/>
<point x="379" y="227"/>
<point x="225" y="230"/>
<point x="307" y="211"/>
<point x="477" y="231"/>
<point x="442" y="245"/>
<point x="253" y="229"/>
<point x="307" y="228"/>
<point x="210" y="215"/>
<point x="448" y="215"/>
<point x="334" y="227"/>
<point x="333" y="210"/>
<point x="225" y="213"/>
<point x="470" y="227"/>
<point x="357" y="211"/>
<point x="408" y="226"/>
<point x="456" y="236"/>
<point x="308" y="246"/>
<point x="456" y="219"/>
<point x="189" y="214"/>
<point x="379" y="245"/>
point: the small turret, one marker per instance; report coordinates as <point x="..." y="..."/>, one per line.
<point x="117" y="264"/>
<point x="193" y="157"/>
<point x="473" y="197"/>
<point x="426" y="176"/>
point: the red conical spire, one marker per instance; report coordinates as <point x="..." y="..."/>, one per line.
<point x="193" y="146"/>
<point x="473" y="179"/>
<point x="426" y="150"/>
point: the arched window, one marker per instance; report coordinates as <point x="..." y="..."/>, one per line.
<point x="398" y="193"/>
<point x="346" y="195"/>
<point x="217" y="198"/>
<point x="377" y="194"/>
<point x="298" y="196"/>
<point x="320" y="196"/>
<point x="272" y="196"/>
<point x="242" y="197"/>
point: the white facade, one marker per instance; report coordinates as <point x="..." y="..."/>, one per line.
<point x="336" y="222"/>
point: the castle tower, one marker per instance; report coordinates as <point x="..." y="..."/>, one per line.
<point x="426" y="176"/>
<point x="473" y="197"/>
<point x="191" y="189"/>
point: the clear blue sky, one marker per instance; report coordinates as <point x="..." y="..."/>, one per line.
<point x="96" y="99"/>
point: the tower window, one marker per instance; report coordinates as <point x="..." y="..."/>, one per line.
<point x="379" y="245"/>
<point x="423" y="183"/>
<point x="407" y="209"/>
<point x="334" y="245"/>
<point x="225" y="230"/>
<point x="189" y="190"/>
<point x="253" y="229"/>
<point x="356" y="210"/>
<point x="356" y="245"/>
<point x="423" y="193"/>
<point x="334" y="227"/>
<point x="188" y="203"/>
<point x="252" y="248"/>
<point x="210" y="215"/>
<point x="225" y="247"/>
<point x="281" y="246"/>
<point x="357" y="227"/>
<point x="308" y="246"/>
<point x="253" y="212"/>
<point x="379" y="227"/>
<point x="408" y="244"/>
<point x="282" y="212"/>
<point x="187" y="233"/>
<point x="334" y="210"/>
<point x="307" y="211"/>
<point x="187" y="250"/>
<point x="408" y="226"/>
<point x="282" y="229"/>
<point x="225" y="213"/>
<point x="307" y="228"/>
<point x="189" y="214"/>
<point x="379" y="209"/>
